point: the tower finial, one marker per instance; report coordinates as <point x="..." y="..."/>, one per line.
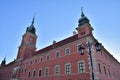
<point x="82" y="14"/>
<point x="3" y="62"/>
<point x="81" y="9"/>
<point x="33" y="18"/>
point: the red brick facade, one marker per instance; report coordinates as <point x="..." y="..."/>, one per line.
<point x="62" y="60"/>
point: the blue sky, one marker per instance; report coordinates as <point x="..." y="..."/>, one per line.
<point x="56" y="20"/>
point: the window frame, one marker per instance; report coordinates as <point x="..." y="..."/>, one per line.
<point x="81" y="66"/>
<point x="46" y="71"/>
<point x="99" y="67"/>
<point x="40" y="73"/>
<point x="41" y="59"/>
<point x="48" y="57"/>
<point x="109" y="72"/>
<point x="34" y="73"/>
<point x="67" y="50"/>
<point x="68" y="68"/>
<point x="105" y="69"/>
<point x="57" y="56"/>
<point x="57" y="70"/>
<point x="29" y="73"/>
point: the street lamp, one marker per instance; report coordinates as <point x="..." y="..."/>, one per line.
<point x="98" y="46"/>
<point x="81" y="50"/>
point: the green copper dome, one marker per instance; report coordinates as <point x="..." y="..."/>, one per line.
<point x="31" y="28"/>
<point x="83" y="20"/>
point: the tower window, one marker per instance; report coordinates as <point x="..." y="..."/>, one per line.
<point x="82" y="33"/>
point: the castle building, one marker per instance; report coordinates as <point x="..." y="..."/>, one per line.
<point x="78" y="57"/>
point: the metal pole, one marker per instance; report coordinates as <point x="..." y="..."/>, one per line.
<point x="89" y="47"/>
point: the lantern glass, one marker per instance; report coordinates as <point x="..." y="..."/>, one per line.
<point x="81" y="49"/>
<point x="98" y="46"/>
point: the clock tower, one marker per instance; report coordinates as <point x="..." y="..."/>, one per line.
<point x="28" y="43"/>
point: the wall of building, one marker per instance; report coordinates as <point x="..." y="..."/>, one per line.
<point x="109" y="66"/>
<point x="6" y="72"/>
<point x="35" y="64"/>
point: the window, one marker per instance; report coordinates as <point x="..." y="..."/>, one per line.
<point x="57" y="70"/>
<point x="109" y="72"/>
<point x="30" y="62"/>
<point x="99" y="67"/>
<point x="46" y="71"/>
<point x="81" y="67"/>
<point x="25" y="70"/>
<point x="67" y="51"/>
<point x="41" y="59"/>
<point x="40" y="72"/>
<point x="35" y="61"/>
<point x="29" y="74"/>
<point x="57" y="54"/>
<point x="34" y="73"/>
<point x="114" y="74"/>
<point x="105" y="70"/>
<point x="67" y="68"/>
<point x="48" y="57"/>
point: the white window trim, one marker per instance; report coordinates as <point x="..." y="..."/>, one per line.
<point x="84" y="66"/>
<point x="100" y="67"/>
<point x="47" y="56"/>
<point x="40" y="59"/>
<point x="45" y="71"/>
<point x="55" y="70"/>
<point x="56" y="54"/>
<point x="69" y="51"/>
<point x="33" y="73"/>
<point x="109" y="71"/>
<point x="104" y="69"/>
<point x="70" y="68"/>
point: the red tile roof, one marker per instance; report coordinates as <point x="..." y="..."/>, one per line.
<point x="58" y="44"/>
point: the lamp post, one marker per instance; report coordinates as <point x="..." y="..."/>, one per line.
<point x="98" y="48"/>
